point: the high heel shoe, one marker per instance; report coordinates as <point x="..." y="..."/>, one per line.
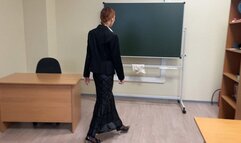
<point x="90" y="139"/>
<point x="123" y="129"/>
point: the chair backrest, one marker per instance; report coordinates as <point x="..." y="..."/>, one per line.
<point x="48" y="65"/>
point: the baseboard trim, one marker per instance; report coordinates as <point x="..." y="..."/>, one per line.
<point x="148" y="98"/>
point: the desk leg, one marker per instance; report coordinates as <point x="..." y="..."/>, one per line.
<point x="3" y="126"/>
<point x="74" y="124"/>
<point x="75" y="106"/>
<point x="72" y="127"/>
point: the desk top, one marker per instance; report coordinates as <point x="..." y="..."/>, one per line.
<point x="219" y="130"/>
<point x="41" y="78"/>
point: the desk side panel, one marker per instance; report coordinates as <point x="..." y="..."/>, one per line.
<point x="3" y="126"/>
<point x="35" y="103"/>
<point x="76" y="105"/>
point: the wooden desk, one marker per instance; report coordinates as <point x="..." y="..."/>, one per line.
<point x="219" y="130"/>
<point x="30" y="97"/>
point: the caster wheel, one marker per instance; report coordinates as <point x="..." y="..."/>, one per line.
<point x="35" y="124"/>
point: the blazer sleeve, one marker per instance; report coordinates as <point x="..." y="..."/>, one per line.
<point x="87" y="59"/>
<point x="116" y="58"/>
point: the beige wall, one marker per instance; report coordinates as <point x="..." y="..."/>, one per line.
<point x="51" y="28"/>
<point x="207" y="23"/>
<point x="40" y="31"/>
<point x="12" y="49"/>
<point x="59" y="28"/>
<point x="35" y="23"/>
<point x="74" y="18"/>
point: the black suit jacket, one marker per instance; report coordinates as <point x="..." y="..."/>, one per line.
<point x="103" y="53"/>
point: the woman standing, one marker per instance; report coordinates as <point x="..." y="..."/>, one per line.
<point x="103" y="60"/>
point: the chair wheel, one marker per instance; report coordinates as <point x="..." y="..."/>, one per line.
<point x="35" y="124"/>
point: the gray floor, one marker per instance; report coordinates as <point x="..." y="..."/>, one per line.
<point x="151" y="122"/>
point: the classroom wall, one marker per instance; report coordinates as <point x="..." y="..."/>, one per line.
<point x="206" y="25"/>
<point x="59" y="28"/>
<point x="51" y="28"/>
<point x="12" y="40"/>
<point x="71" y="32"/>
<point x="35" y="23"/>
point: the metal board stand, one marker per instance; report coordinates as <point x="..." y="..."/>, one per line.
<point x="183" y="55"/>
<point x="160" y="79"/>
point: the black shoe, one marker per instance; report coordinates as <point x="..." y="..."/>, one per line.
<point x="123" y="129"/>
<point x="90" y="139"/>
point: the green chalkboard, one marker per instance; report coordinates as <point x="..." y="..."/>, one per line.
<point x="149" y="29"/>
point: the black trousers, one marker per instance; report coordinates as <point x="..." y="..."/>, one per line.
<point x="105" y="117"/>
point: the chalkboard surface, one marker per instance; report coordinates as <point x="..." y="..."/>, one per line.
<point x="149" y="29"/>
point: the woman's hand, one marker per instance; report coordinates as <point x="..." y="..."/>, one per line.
<point x="87" y="80"/>
<point x="121" y="81"/>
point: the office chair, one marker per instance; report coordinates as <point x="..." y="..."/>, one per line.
<point x="48" y="65"/>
